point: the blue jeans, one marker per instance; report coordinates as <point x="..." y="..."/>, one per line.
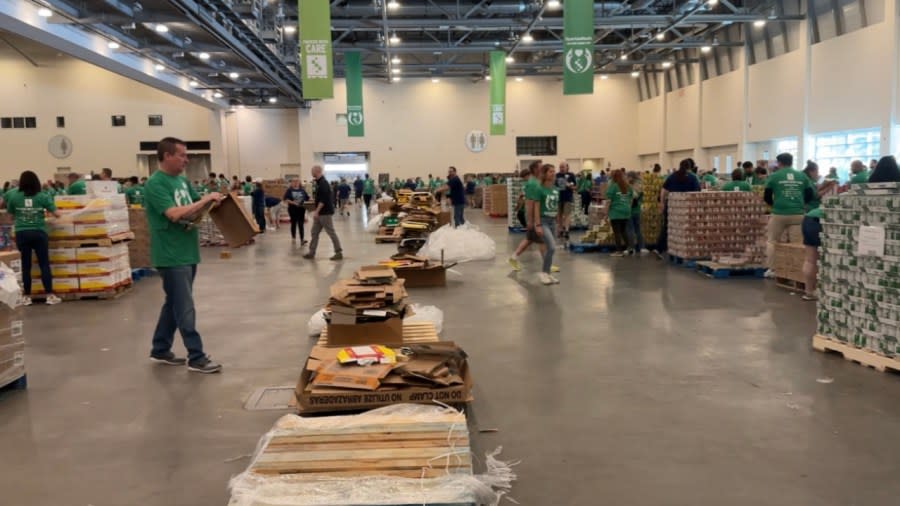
<point x="458" y="214"/>
<point x="634" y="230"/>
<point x="548" y="224"/>
<point x="28" y="241"/>
<point x="177" y="312"/>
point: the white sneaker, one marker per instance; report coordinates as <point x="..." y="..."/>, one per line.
<point x="26" y="300"/>
<point x="52" y="300"/>
<point x="645" y="251"/>
<point x="545" y="278"/>
<point x="769" y="274"/>
<point x="515" y="264"/>
<point x="555" y="281"/>
<point x="617" y="254"/>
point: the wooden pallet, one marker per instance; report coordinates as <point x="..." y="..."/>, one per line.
<point x="92" y="243"/>
<point x="690" y="263"/>
<point x="113" y="293"/>
<point x="384" y="239"/>
<point x="861" y="356"/>
<point x="413" y="333"/>
<point x="388" y="446"/>
<point x="723" y="271"/>
<point x="790" y="284"/>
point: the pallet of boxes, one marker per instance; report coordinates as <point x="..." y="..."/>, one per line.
<point x="859" y="276"/>
<point x="12" y="328"/>
<point x="651" y="214"/>
<point x="89" y="255"/>
<point x="495" y="200"/>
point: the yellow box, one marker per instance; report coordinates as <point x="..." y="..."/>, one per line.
<point x="102" y="215"/>
<point x="58" y="270"/>
<point x="101" y="253"/>
<point x="62" y="255"/>
<point x="99" y="268"/>
<point x="100" y="229"/>
<point x="96" y="283"/>
<point x="60" y="285"/>
<point x="64" y="202"/>
<point x="60" y="230"/>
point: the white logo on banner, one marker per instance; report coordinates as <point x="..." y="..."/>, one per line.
<point x="579" y="60"/>
<point x="316" y="66"/>
<point x="497" y="115"/>
<point x="355" y="118"/>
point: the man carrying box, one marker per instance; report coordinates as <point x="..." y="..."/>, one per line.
<point x="170" y="201"/>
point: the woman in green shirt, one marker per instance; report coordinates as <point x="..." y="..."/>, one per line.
<point x="737" y="183"/>
<point x="584" y="186"/>
<point x="620" y="195"/>
<point x="549" y="207"/>
<point x="28" y="204"/>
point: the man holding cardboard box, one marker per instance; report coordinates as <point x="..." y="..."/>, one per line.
<point x="170" y="201"/>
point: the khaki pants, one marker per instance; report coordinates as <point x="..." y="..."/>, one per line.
<point x="778" y="224"/>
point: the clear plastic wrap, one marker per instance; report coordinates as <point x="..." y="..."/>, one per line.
<point x="252" y="489"/>
<point x="427" y="314"/>
<point x="461" y="244"/>
<point x="316" y="323"/>
<point x="374" y="223"/>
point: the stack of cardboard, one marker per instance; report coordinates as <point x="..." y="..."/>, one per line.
<point x="85" y="269"/>
<point x="7" y="238"/>
<point x="788" y="262"/>
<point x="371" y="306"/>
<point x="495" y="200"/>
<point x="705" y="225"/>
<point x="12" y="335"/>
<point x="418" y="272"/>
<point x="139" y="247"/>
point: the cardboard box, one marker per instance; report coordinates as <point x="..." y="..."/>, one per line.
<point x="99" y="268"/>
<point x="106" y="229"/>
<point x="12" y="362"/>
<point x="58" y="270"/>
<point x="385" y="206"/>
<point x="60" y="230"/>
<point x="385" y="332"/>
<point x="60" y="285"/>
<point x="100" y="253"/>
<point x="444" y="218"/>
<point x="98" y="283"/>
<point x="324" y="399"/>
<point x="102" y="188"/>
<point x="139" y="247"/>
<point x="101" y="215"/>
<point x="69" y="202"/>
<point x="236" y="225"/>
<point x="375" y="274"/>
<point x="12" y="325"/>
<point x="62" y="255"/>
<point x="422" y="277"/>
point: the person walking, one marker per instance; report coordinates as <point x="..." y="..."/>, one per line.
<point x="343" y="193"/>
<point x="457" y="192"/>
<point x="532" y="192"/>
<point x="357" y="190"/>
<point x="323" y="215"/>
<point x="28" y="204"/>
<point x="634" y="221"/>
<point x="169" y="202"/>
<point x="258" y="205"/>
<point x="545" y="228"/>
<point x="295" y="196"/>
<point x="585" y="185"/>
<point x="565" y="182"/>
<point x="787" y="191"/>
<point x="368" y="191"/>
<point x="620" y="195"/>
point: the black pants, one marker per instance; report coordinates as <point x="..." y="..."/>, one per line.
<point x="585" y="201"/>
<point x="368" y="200"/>
<point x="259" y="213"/>
<point x="37" y="242"/>
<point x="620" y="233"/>
<point x="297" y="214"/>
<point x="662" y="244"/>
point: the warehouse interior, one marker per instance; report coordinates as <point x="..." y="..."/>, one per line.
<point x="625" y="372"/>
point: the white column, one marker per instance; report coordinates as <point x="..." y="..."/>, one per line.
<point x="804" y="151"/>
<point x="889" y="119"/>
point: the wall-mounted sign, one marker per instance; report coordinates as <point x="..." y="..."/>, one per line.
<point x="476" y="141"/>
<point x="60" y="146"/>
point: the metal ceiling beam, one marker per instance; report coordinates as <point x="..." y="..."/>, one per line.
<point x="484" y="47"/>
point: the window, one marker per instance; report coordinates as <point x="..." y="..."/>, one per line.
<point x="787" y="145"/>
<point x="155" y="120"/>
<point x="118" y="121"/>
<point x="536" y="146"/>
<point x="60" y="122"/>
<point x="838" y="149"/>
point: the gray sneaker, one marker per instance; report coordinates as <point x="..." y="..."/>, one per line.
<point x="204" y="365"/>
<point x="168" y="359"/>
<point x="337" y="256"/>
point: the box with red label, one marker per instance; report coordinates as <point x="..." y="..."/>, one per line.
<point x="106" y="229"/>
<point x="100" y="253"/>
<point x="60" y="285"/>
<point x="58" y="270"/>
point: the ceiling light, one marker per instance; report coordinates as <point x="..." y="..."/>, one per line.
<point x="161" y="28"/>
<point x="527" y="38"/>
<point x="290" y="29"/>
<point x="510" y="59"/>
<point x="395" y="70"/>
<point x="435" y="80"/>
<point x="217" y="94"/>
<point x="635" y="74"/>
<point x="712" y="3"/>
<point x="44" y="12"/>
<point x="604" y="76"/>
<point x="394" y="39"/>
<point x="624" y="56"/>
<point x="519" y="79"/>
<point x="666" y="64"/>
<point x="203" y="56"/>
<point x="661" y="36"/>
<point x="234" y="75"/>
<point x="759" y="23"/>
<point x="241" y="106"/>
<point x="487" y="78"/>
<point x="113" y="44"/>
<point x="160" y="66"/>
<point x="553" y="4"/>
<point x="393" y="4"/>
<point x="273" y="100"/>
<point x="194" y="84"/>
<point x="706" y="49"/>
<point x="395" y="79"/>
<point x="396" y="60"/>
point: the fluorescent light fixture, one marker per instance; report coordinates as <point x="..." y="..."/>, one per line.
<point x="161" y="28"/>
<point x="712" y="3"/>
<point x="234" y="75"/>
<point x="604" y="76"/>
<point x="393" y="4"/>
<point x="666" y="64"/>
<point x="554" y="4"/>
<point x="661" y="36"/>
<point x="193" y="84"/>
<point x="44" y="12"/>
<point x="487" y="78"/>
<point x="396" y="60"/>
<point x="290" y="29"/>
<point x="160" y="67"/>
<point x="706" y="49"/>
<point x="624" y="56"/>
<point x="527" y="38"/>
<point x="395" y="79"/>
<point x="203" y="56"/>
<point x="519" y="79"/>
<point x="113" y="45"/>
<point x="510" y="59"/>
<point x="394" y="39"/>
<point x="635" y="74"/>
<point x="435" y="80"/>
<point x="759" y="23"/>
<point x="395" y="70"/>
<point x="273" y="100"/>
<point x="218" y="94"/>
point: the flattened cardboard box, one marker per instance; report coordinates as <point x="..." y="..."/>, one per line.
<point x="387" y="332"/>
<point x="339" y="399"/>
<point x="232" y="220"/>
<point x="422" y="277"/>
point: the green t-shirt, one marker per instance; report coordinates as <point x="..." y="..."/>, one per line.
<point x="135" y="195"/>
<point x="737" y="186"/>
<point x="247" y="188"/>
<point x="532" y="189"/>
<point x="585" y="185"/>
<point x="29" y="211"/>
<point x="832" y="177"/>
<point x="860" y="177"/>
<point x="368" y="187"/>
<point x="171" y="244"/>
<point x="432" y="184"/>
<point x="711" y="180"/>
<point x="788" y="186"/>
<point x="757" y="181"/>
<point x="815" y="202"/>
<point x="619" y="203"/>
<point x="816" y="213"/>
<point x="487" y="181"/>
<point x="77" y="188"/>
<point x="549" y="201"/>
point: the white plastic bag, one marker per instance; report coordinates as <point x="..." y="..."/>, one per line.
<point x="374" y="224"/>
<point x="461" y="244"/>
<point x="429" y="314"/>
<point x="316" y="323"/>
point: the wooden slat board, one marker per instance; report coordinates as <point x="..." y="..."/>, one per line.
<point x="413" y="333"/>
<point x="858" y="355"/>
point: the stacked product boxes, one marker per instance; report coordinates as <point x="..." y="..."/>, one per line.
<point x="715" y="224"/>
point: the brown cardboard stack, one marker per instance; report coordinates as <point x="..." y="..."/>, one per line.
<point x="371" y="306"/>
<point x="788" y="261"/>
<point x="12" y="336"/>
<point x="274" y="188"/>
<point x="495" y="200"/>
<point x="717" y="224"/>
<point x="418" y="272"/>
<point x="139" y="247"/>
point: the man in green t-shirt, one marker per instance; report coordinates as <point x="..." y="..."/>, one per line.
<point x="77" y="185"/>
<point x="710" y="179"/>
<point x="134" y="194"/>
<point x="368" y="191"/>
<point x="737" y="183"/>
<point x="172" y="205"/>
<point x="787" y="191"/>
<point x="858" y="171"/>
<point x="247" y="187"/>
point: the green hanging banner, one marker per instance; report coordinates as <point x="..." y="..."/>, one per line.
<point x="315" y="48"/>
<point x="578" y="47"/>
<point x="498" y="93"/>
<point x="353" y="76"/>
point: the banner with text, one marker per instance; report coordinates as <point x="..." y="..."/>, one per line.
<point x="353" y="76"/>
<point x="498" y="93"/>
<point x="578" y="47"/>
<point x="315" y="48"/>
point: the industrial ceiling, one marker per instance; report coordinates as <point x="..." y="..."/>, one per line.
<point x="245" y="51"/>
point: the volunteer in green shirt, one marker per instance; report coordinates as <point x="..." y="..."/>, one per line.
<point x="534" y="231"/>
<point x="487" y="181"/>
<point x="247" y="187"/>
<point x="620" y="195"/>
<point x="760" y="174"/>
<point x="737" y="183"/>
<point x="548" y="207"/>
<point x="787" y="191"/>
<point x="584" y="187"/>
<point x="171" y="203"/>
<point x="28" y="204"/>
<point x="832" y="175"/>
<point x="76" y="185"/>
<point x="859" y="173"/>
<point x="710" y="179"/>
<point x="368" y="191"/>
<point x="134" y="194"/>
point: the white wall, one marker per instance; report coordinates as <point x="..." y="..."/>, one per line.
<point x="651" y="120"/>
<point x="682" y="118"/>
<point x="260" y="141"/>
<point x="417" y="127"/>
<point x="87" y="96"/>
<point x="722" y="110"/>
<point x="776" y="98"/>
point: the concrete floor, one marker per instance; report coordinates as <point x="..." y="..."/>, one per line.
<point x="631" y="383"/>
